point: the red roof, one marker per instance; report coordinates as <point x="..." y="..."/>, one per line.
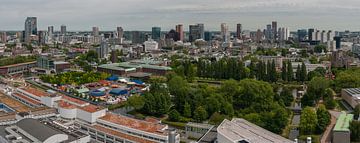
<point x="122" y="135"/>
<point x="35" y="91"/>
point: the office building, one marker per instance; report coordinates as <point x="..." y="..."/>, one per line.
<point x="180" y="30"/>
<point x="3" y="37"/>
<point x="42" y="36"/>
<point x="172" y="34"/>
<point x="63" y="29"/>
<point x="95" y="31"/>
<point x="50" y="31"/>
<point x="30" y="28"/>
<point x="45" y="62"/>
<point x="341" y="131"/>
<point x="138" y="37"/>
<point x="225" y="34"/>
<point x="103" y="50"/>
<point x="196" y="32"/>
<point x="310" y="34"/>
<point x="268" y="32"/>
<point x="259" y="36"/>
<point x="338" y="42"/>
<point x="274" y="30"/>
<point x="330" y="35"/>
<point x="208" y="36"/>
<point x="151" y="45"/>
<point x="17" y="68"/>
<point x="238" y="31"/>
<point x="120" y="32"/>
<point x="156" y="33"/>
<point x="302" y="33"/>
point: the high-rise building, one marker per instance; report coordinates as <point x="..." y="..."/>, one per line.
<point x="95" y="31"/>
<point x="238" y="30"/>
<point x="172" y="35"/>
<point x="310" y="34"/>
<point x="338" y="42"/>
<point x="268" y="32"/>
<point x="156" y="33"/>
<point x="317" y="35"/>
<point x="138" y="37"/>
<point x="225" y="34"/>
<point x="103" y="50"/>
<point x="208" y="36"/>
<point x="30" y="28"/>
<point x="302" y="34"/>
<point x="259" y="35"/>
<point x="120" y="32"/>
<point x="196" y="32"/>
<point x="3" y="37"/>
<point x="42" y="37"/>
<point x="50" y="31"/>
<point x="63" y="30"/>
<point x="323" y="36"/>
<point x="274" y="29"/>
<point x="180" y="30"/>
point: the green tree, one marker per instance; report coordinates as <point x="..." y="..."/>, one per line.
<point x="187" y="110"/>
<point x="298" y="72"/>
<point x="308" y="121"/>
<point x="284" y="72"/>
<point x="174" y="115"/>
<point x="216" y="118"/>
<point x="303" y="73"/>
<point x="320" y="48"/>
<point x="285" y="96"/>
<point x="200" y="114"/>
<point x="179" y="88"/>
<point x="290" y="73"/>
<point x="136" y="101"/>
<point x="355" y="131"/>
<point x="329" y="100"/>
<point x="357" y="111"/>
<point x="323" y="118"/>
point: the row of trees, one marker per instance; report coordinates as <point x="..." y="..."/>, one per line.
<point x="314" y="122"/>
<point x="230" y="68"/>
<point x="319" y="88"/>
<point x="16" y="60"/>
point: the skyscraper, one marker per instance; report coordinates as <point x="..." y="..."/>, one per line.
<point x="180" y="30"/>
<point x="268" y="32"/>
<point x="238" y="30"/>
<point x="196" y="32"/>
<point x="310" y="34"/>
<point x="30" y="28"/>
<point x="302" y="34"/>
<point x="120" y="32"/>
<point x="63" y="30"/>
<point x="42" y="37"/>
<point x="156" y="33"/>
<point x="95" y="31"/>
<point x="3" y="37"/>
<point x="103" y="50"/>
<point x="274" y="29"/>
<point x="50" y="31"/>
<point x="225" y="32"/>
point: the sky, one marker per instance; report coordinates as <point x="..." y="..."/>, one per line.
<point x="144" y="14"/>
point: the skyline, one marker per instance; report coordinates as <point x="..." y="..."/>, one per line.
<point x="142" y="15"/>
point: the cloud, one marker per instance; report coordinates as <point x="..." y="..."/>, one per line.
<point x="143" y="14"/>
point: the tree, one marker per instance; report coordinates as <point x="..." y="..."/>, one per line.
<point x="303" y="72"/>
<point x="357" y="111"/>
<point x="180" y="89"/>
<point x="308" y="121"/>
<point x="216" y="118"/>
<point x="284" y="72"/>
<point x="136" y="101"/>
<point x="329" y="100"/>
<point x="323" y="117"/>
<point x="285" y="96"/>
<point x="157" y="100"/>
<point x="355" y="131"/>
<point x="290" y="73"/>
<point x="213" y="105"/>
<point x="174" y="115"/>
<point x="298" y="72"/>
<point x="187" y="110"/>
<point x="320" y="48"/>
<point x="200" y="114"/>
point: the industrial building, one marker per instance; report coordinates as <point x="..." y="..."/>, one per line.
<point x="351" y="96"/>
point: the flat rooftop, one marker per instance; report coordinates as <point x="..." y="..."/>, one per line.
<point x="121" y="135"/>
<point x="354" y="92"/>
<point x="128" y="66"/>
<point x="241" y="130"/>
<point x="13" y="104"/>
<point x="35" y="91"/>
<point x="134" y="123"/>
<point x="343" y="122"/>
<point x="20" y="64"/>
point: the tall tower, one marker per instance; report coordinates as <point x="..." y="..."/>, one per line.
<point x="155" y="33"/>
<point x="120" y="32"/>
<point x="225" y="32"/>
<point x="50" y="30"/>
<point x="196" y="32"/>
<point x="95" y="31"/>
<point x="274" y="29"/>
<point x="238" y="30"/>
<point x="63" y="30"/>
<point x="180" y="29"/>
<point x="30" y="28"/>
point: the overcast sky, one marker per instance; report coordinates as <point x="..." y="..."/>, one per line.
<point x="143" y="14"/>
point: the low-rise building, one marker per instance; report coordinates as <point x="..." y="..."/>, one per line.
<point x="197" y="130"/>
<point x="17" y="68"/>
<point x="341" y="131"/>
<point x="351" y="96"/>
<point x="125" y="68"/>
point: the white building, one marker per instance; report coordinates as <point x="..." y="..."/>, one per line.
<point x="151" y="45"/>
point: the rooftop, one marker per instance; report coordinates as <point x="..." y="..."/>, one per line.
<point x="35" y="91"/>
<point x="122" y="135"/>
<point x="241" y="130"/>
<point x="343" y="122"/>
<point x="354" y="92"/>
<point x="134" y="123"/>
<point x="129" y="66"/>
<point x="20" y="64"/>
